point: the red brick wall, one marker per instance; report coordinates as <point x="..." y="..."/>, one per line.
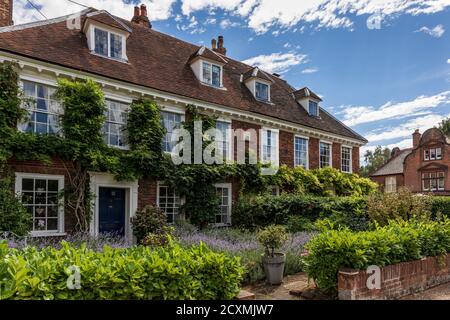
<point x="336" y="153"/>
<point x="235" y="125"/>
<point x="415" y="161"/>
<point x="396" y="280"/>
<point x="57" y="167"/>
<point x="355" y="160"/>
<point x="382" y="179"/>
<point x="313" y="153"/>
<point x="147" y="193"/>
<point x="5" y="13"/>
<point x="286" y="148"/>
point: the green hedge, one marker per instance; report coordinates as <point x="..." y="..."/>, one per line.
<point x="267" y="209"/>
<point x="397" y="242"/>
<point x="171" y="273"/>
<point x="260" y="211"/>
<point x="440" y="205"/>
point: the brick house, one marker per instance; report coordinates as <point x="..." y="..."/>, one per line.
<point x="130" y="60"/>
<point x="422" y="168"/>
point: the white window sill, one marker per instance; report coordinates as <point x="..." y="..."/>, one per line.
<point x="123" y="60"/>
<point x="211" y="86"/>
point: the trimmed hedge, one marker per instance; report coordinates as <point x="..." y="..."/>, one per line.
<point x="265" y="210"/>
<point x="171" y="273"/>
<point x="288" y="209"/>
<point x="397" y="242"/>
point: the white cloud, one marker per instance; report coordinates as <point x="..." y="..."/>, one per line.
<point x="287" y="45"/>
<point x="157" y="9"/>
<point x="353" y="115"/>
<point x="448" y="61"/>
<point x="406" y="129"/>
<point x="277" y="62"/>
<point x="227" y="23"/>
<point x="211" y="21"/>
<point x="436" y="32"/>
<point x="264" y="14"/>
<point x="310" y="70"/>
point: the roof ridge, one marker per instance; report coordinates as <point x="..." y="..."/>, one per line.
<point x="392" y="159"/>
<point x="40" y="23"/>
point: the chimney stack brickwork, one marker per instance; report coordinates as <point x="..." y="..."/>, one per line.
<point x="416" y="138"/>
<point x="217" y="46"/>
<point x="140" y="16"/>
<point x="6" y="10"/>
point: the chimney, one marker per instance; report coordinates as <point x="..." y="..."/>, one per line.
<point x="220" y="48"/>
<point x="395" y="152"/>
<point x="416" y="138"/>
<point x="6" y="13"/>
<point x="140" y="16"/>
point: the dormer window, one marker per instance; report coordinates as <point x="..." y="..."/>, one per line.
<point x="106" y="36"/>
<point x="261" y="91"/>
<point x="212" y="74"/>
<point x="313" y="108"/>
<point x="108" y="44"/>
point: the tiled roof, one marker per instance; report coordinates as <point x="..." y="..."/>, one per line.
<point x="159" y="61"/>
<point x="394" y="165"/>
<point x="256" y="73"/>
<point x="304" y="93"/>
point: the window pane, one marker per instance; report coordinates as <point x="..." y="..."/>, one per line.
<point x="301" y="152"/>
<point x="346" y="159"/>
<point x="262" y="91"/>
<point x="169" y="202"/>
<point x="313" y="108"/>
<point x="170" y="121"/>
<point x="101" y="42"/>
<point x="325" y="155"/>
<point x="216" y="76"/>
<point x="207" y="73"/>
<point x="116" y="46"/>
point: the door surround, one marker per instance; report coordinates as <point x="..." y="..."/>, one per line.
<point x="106" y="180"/>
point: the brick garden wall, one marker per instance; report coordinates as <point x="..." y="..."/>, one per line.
<point x="396" y="280"/>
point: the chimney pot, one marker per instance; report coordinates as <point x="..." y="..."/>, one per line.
<point x="143" y="10"/>
<point x="213" y="44"/>
<point x="220" y="48"/>
<point x="137" y="11"/>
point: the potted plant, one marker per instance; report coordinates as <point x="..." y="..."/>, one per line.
<point x="272" y="238"/>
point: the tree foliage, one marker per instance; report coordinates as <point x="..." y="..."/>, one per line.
<point x="445" y="126"/>
<point x="375" y="160"/>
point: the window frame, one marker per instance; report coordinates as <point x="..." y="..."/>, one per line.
<point x="230" y="203"/>
<point x="309" y="107"/>
<point x="263" y="133"/>
<point x="432" y="154"/>
<point x="229" y="139"/>
<point x="158" y="202"/>
<point x="433" y="180"/>
<point x="122" y="102"/>
<point x="390" y="187"/>
<point x="109" y="32"/>
<point x="211" y="65"/>
<point x="350" y="160"/>
<point x="22" y="126"/>
<point x="307" y="151"/>
<point x="19" y="176"/>
<point x="173" y="111"/>
<point x="268" y="91"/>
<point x="330" y="165"/>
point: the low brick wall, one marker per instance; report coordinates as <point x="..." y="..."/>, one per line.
<point x="396" y="280"/>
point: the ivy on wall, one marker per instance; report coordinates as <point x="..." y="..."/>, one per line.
<point x="81" y="148"/>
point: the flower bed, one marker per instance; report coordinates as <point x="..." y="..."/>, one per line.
<point x="243" y="244"/>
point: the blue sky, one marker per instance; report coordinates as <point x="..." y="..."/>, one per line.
<point x="381" y="66"/>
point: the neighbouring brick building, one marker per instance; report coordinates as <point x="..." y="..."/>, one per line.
<point x="130" y="60"/>
<point x="422" y="168"/>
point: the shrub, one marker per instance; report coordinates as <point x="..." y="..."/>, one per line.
<point x="159" y="238"/>
<point x="298" y="223"/>
<point x="272" y="237"/>
<point x="399" y="241"/>
<point x="440" y="206"/>
<point x="265" y="210"/>
<point x="13" y="216"/>
<point x="402" y="205"/>
<point x="171" y="273"/>
<point x="148" y="220"/>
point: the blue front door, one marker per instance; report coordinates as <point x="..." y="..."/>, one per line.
<point x="112" y="211"/>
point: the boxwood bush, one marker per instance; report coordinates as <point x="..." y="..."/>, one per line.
<point x="440" y="206"/>
<point x="260" y="211"/>
<point x="400" y="241"/>
<point x="171" y="273"/>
